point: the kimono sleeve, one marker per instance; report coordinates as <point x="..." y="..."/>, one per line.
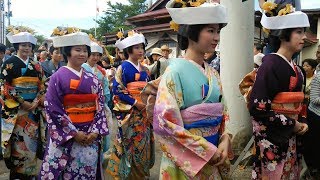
<point x="263" y="92"/>
<point x="10" y="98"/>
<point x="119" y="87"/>
<point x="60" y="126"/>
<point x="99" y="124"/>
<point x="42" y="78"/>
<point x="152" y="68"/>
<point x="189" y="152"/>
<point x="106" y="90"/>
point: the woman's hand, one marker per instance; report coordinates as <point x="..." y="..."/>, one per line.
<point x="91" y="138"/>
<point x="81" y="138"/>
<point x="27" y="106"/>
<point x="41" y="101"/>
<point x="222" y="152"/>
<point x="140" y="106"/>
<point x="300" y="128"/>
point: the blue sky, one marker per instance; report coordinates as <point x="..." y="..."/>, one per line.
<point x="45" y="15"/>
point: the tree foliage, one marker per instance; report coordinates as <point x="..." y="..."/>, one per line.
<point x="114" y="18"/>
<point x="88" y="31"/>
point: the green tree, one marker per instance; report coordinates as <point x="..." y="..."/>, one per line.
<point x="88" y="31"/>
<point x="40" y="39"/>
<point x="114" y="18"/>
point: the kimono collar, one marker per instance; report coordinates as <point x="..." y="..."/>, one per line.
<point x="75" y="71"/>
<point x="203" y="70"/>
<point x="138" y="67"/>
<point x="285" y="59"/>
<point x="24" y="61"/>
<point x="92" y="68"/>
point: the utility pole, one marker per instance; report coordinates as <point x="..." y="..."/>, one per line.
<point x="238" y="37"/>
<point x="2" y="28"/>
<point x="9" y="12"/>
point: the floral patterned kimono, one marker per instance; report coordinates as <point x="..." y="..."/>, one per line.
<point x="275" y="104"/>
<point x="101" y="74"/>
<point x="21" y="139"/>
<point x="133" y="153"/>
<point x="74" y="102"/>
<point x="189" y="119"/>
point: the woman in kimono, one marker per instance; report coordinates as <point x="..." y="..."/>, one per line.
<point x="276" y="99"/>
<point x="50" y="67"/>
<point x="22" y="121"/>
<point x="189" y="116"/>
<point x="132" y="155"/>
<point x="91" y="66"/>
<point x="76" y="121"/>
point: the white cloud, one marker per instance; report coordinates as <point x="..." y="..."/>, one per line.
<point x="56" y="8"/>
<point x="45" y="15"/>
<point x="310" y="4"/>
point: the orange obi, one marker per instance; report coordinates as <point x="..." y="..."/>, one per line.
<point x="288" y="103"/>
<point x="135" y="88"/>
<point x="25" y="81"/>
<point x="80" y="108"/>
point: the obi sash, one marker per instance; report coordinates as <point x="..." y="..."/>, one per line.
<point x="288" y="103"/>
<point x="81" y="108"/>
<point x="27" y="87"/>
<point x="204" y="120"/>
<point x="135" y="88"/>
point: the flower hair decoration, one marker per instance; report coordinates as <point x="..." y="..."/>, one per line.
<point x="186" y="4"/>
<point x="272" y="9"/>
<point x="60" y="31"/>
<point x="18" y="29"/>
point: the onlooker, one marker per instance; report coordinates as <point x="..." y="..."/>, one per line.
<point x="311" y="146"/>
<point x="258" y="48"/>
<point x="43" y="56"/>
<point x="209" y="57"/>
<point x="318" y="59"/>
<point x="50" y="67"/>
<point x="257" y="59"/>
<point x="166" y="51"/>
<point x="9" y="52"/>
<point x="160" y="63"/>
<point x="2" y="53"/>
<point x="2" y="59"/>
<point x="213" y="59"/>
<point x="309" y="66"/>
<point x="119" y="58"/>
<point x="105" y="62"/>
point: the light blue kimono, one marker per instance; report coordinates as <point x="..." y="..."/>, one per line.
<point x="102" y="78"/>
<point x="189" y="119"/>
<point x="106" y="91"/>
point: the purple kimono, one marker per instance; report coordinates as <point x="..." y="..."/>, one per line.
<point x="277" y="149"/>
<point x="64" y="158"/>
